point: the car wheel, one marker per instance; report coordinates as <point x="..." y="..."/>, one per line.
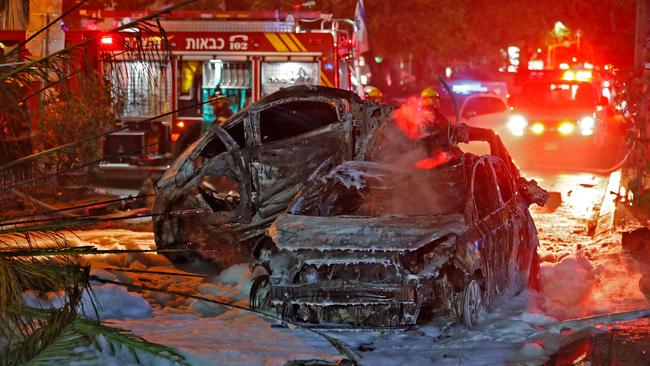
<point x="165" y="238"/>
<point x="262" y="252"/>
<point x="471" y="304"/>
<point x="260" y="293"/>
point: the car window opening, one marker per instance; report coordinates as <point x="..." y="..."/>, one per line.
<point x="485" y="194"/>
<point x="213" y="148"/>
<point x="295" y="118"/>
<point x="220" y="192"/>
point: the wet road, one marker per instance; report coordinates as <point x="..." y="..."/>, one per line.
<point x="567" y="223"/>
<point x="568" y="228"/>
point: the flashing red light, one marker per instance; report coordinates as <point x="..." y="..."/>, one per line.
<point x="107" y="40"/>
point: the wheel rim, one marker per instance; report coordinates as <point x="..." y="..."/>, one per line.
<point x="472" y="304"/>
<point x="260" y="298"/>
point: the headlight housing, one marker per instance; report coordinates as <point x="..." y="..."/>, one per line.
<point x="566" y="128"/>
<point x="517" y="125"/>
<point x="587" y="125"/>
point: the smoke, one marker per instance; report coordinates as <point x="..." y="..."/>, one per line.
<point x="409" y="118"/>
<point x="409" y="139"/>
<point x="406" y="142"/>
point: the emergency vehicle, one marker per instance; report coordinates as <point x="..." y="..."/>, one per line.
<point x="243" y="56"/>
<point x="563" y="110"/>
<point x="480" y="103"/>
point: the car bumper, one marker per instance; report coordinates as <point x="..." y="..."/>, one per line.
<point x="341" y="305"/>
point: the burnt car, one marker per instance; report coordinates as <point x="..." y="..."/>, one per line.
<point x="372" y="244"/>
<point x="224" y="191"/>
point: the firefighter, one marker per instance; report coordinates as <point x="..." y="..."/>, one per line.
<point x="429" y="107"/>
<point x="373" y="93"/>
<point x="220" y="107"/>
<point x="429" y="100"/>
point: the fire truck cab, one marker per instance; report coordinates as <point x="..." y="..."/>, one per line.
<point x="240" y="56"/>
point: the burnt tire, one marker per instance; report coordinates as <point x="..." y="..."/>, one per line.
<point x="262" y="252"/>
<point x="180" y="253"/>
<point x="260" y="294"/>
<point x="166" y="239"/>
<point x="470" y="304"/>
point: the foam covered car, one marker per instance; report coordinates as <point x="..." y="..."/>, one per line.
<point x="373" y="244"/>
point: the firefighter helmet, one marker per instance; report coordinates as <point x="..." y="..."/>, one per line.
<point x="429" y="98"/>
<point x="373" y="93"/>
<point x="429" y="92"/>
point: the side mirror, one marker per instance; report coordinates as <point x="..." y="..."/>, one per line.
<point x="604" y="102"/>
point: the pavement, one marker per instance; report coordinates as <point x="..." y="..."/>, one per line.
<point x="618" y="343"/>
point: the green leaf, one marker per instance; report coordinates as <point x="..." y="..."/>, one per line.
<point x="70" y="346"/>
<point x="115" y="337"/>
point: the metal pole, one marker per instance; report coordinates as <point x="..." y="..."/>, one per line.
<point x="642" y="65"/>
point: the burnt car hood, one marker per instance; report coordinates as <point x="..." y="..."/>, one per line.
<point x="354" y="233"/>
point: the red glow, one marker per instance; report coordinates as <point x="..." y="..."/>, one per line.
<point x="408" y="118"/>
<point x="107" y="40"/>
<point x="431" y="162"/>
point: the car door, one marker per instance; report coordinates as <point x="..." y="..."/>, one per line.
<point x="490" y="221"/>
<point x="293" y="138"/>
<point x="215" y="201"/>
<point x="485" y="111"/>
<point x="513" y="235"/>
<point x="522" y="246"/>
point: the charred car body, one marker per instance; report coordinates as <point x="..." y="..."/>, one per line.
<point x="372" y="244"/>
<point x="359" y="236"/>
<point x="227" y="188"/>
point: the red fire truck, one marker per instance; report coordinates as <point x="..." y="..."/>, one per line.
<point x="243" y="56"/>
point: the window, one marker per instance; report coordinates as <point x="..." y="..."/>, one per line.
<point x="485" y="194"/>
<point x="237" y="133"/>
<point x="220" y="192"/>
<point x="213" y="148"/>
<point x="140" y="88"/>
<point x="278" y="75"/>
<point x="295" y="118"/>
<point x="557" y="95"/>
<point x="485" y="105"/>
<point x="197" y="81"/>
<point x="189" y="88"/>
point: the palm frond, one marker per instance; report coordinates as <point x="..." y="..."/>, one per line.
<point x="115" y="339"/>
<point x="71" y="346"/>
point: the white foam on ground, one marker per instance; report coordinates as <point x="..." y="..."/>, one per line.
<point x="111" y="302"/>
<point x="579" y="278"/>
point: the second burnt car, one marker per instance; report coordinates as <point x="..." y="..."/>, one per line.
<point x="374" y="244"/>
<point x="227" y="188"/>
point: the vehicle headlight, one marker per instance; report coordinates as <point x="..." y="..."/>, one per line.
<point x="586" y="125"/>
<point x="566" y="128"/>
<point x="517" y="124"/>
<point x="538" y="128"/>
